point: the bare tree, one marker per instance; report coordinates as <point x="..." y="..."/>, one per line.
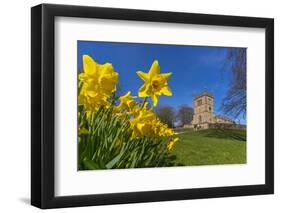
<point x="185" y="114"/>
<point x="235" y="101"/>
<point x="166" y="114"/>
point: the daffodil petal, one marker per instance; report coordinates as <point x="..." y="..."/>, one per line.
<point x="166" y="76"/>
<point x="144" y="76"/>
<point x="143" y="91"/>
<point x="166" y="91"/>
<point x="154" y="99"/>
<point x="106" y="68"/>
<point x="82" y="77"/>
<point x="89" y="65"/>
<point x="92" y="94"/>
<point x="83" y="131"/>
<point x="154" y="69"/>
<point x="127" y="94"/>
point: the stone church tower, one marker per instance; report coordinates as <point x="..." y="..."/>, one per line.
<point x="203" y="110"/>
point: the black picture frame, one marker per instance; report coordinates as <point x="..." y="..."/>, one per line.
<point x="43" y="102"/>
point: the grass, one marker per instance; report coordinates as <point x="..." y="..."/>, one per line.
<point x="212" y="146"/>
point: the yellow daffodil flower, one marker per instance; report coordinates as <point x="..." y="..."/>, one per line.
<point x="82" y="131"/>
<point x="99" y="82"/>
<point x="102" y="77"/>
<point x="108" y="79"/>
<point x="171" y="144"/>
<point x="142" y="123"/>
<point x="145" y="123"/>
<point x="155" y="84"/>
<point x="91" y="99"/>
<point x="127" y="101"/>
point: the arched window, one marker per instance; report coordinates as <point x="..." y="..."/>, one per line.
<point x="200" y="119"/>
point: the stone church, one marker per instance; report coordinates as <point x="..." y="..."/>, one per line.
<point x="204" y="117"/>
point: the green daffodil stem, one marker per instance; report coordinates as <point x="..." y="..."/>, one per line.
<point x="113" y="98"/>
<point x="144" y="101"/>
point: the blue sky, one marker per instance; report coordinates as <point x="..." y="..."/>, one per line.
<point x="193" y="68"/>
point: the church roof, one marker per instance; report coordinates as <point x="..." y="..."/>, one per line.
<point x="205" y="93"/>
<point x="224" y="118"/>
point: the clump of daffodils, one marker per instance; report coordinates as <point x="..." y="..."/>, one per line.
<point x="99" y="82"/>
<point x="97" y="91"/>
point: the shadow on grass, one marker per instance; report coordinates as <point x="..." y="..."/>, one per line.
<point x="224" y="133"/>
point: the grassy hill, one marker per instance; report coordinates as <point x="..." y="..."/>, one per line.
<point x="212" y="146"/>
